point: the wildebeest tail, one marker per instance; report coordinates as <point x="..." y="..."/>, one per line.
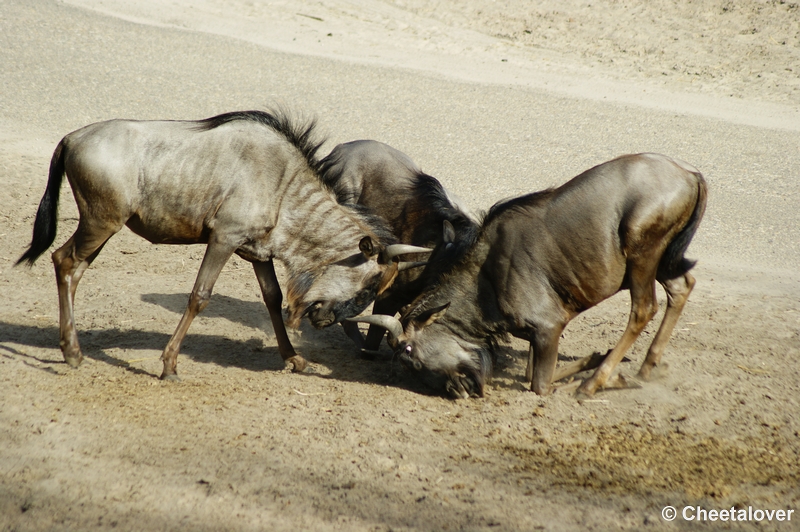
<point x="44" y="227"/>
<point x="673" y="264"/>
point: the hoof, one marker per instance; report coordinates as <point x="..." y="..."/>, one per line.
<point x="172" y="377"/>
<point x="73" y="361"/>
<point x="585" y="391"/>
<point x="542" y="390"/>
<point x="581" y="396"/>
<point x="648" y="374"/>
<point x="298" y="363"/>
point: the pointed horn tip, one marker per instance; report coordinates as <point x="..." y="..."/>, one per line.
<point x="408" y="265"/>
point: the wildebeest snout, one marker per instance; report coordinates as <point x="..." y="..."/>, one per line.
<point x="461" y="385"/>
<point x="326" y="313"/>
<point x="459" y="381"/>
<point x="321" y="315"/>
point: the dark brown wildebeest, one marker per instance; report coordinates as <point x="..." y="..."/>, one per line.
<point x="390" y="185"/>
<point x="541" y="259"/>
<point x="244" y="183"/>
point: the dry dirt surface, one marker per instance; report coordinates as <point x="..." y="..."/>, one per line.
<point x="241" y="443"/>
<point x="748" y="49"/>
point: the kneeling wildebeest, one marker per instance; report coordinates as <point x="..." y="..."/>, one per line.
<point x="244" y="183"/>
<point x="541" y="259"/>
<point x="415" y="205"/>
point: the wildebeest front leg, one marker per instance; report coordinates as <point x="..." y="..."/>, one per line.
<point x="678" y="291"/>
<point x="542" y="359"/>
<point x="273" y="298"/>
<point x="529" y="367"/>
<point x="217" y="254"/>
<point x="354" y="333"/>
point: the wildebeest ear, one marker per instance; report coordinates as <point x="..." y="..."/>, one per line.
<point x="366" y="246"/>
<point x="448" y="233"/>
<point x="429" y="316"/>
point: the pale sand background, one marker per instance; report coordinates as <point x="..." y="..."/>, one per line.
<point x="682" y="56"/>
<point x="493" y="98"/>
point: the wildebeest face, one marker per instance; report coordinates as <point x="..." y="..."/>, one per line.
<point x="442" y="359"/>
<point x="342" y="289"/>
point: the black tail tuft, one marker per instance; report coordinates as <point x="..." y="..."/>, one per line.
<point x="673" y="264"/>
<point x="44" y="227"/>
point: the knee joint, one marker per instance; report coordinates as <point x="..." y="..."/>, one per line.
<point x="642" y="315"/>
<point x="199" y="300"/>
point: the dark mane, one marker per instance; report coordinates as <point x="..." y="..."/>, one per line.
<point x="445" y="261"/>
<point x="300" y="134"/>
<point x="431" y="190"/>
<point x="445" y="257"/>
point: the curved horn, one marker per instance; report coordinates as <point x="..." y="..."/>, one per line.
<point x="408" y="265"/>
<point x="394" y="250"/>
<point x="390" y="323"/>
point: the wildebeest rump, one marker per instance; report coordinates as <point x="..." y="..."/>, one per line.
<point x="244" y="183"/>
<point x="541" y="259"/>
<point x="415" y="205"/>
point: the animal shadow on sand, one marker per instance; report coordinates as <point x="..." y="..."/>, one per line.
<point x="245" y="349"/>
<point x="328" y="347"/>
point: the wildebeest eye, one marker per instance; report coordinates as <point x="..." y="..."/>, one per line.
<point x="414" y="362"/>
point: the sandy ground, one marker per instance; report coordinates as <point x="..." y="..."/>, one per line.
<point x="493" y="98"/>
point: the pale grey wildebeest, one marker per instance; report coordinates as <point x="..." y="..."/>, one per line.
<point x="391" y="185"/>
<point x="541" y="259"/>
<point x="244" y="183"/>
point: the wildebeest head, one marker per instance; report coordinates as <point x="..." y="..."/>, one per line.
<point x="443" y="359"/>
<point x="346" y="287"/>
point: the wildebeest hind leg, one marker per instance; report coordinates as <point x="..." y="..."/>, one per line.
<point x="678" y="291"/>
<point x="273" y="298"/>
<point x="643" y="308"/>
<point x="217" y="254"/>
<point x="70" y="262"/>
<point x="584" y="364"/>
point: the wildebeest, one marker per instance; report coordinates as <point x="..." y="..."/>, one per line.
<point x="415" y="205"/>
<point x="243" y="182"/>
<point x="541" y="259"/>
